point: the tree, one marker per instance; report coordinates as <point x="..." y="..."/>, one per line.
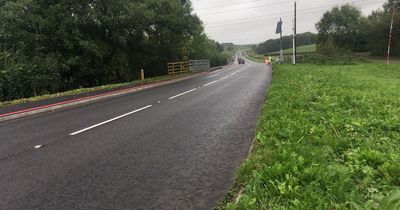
<point x="343" y="27"/>
<point x="378" y="31"/>
<point x="389" y="5"/>
<point x="50" y="46"/>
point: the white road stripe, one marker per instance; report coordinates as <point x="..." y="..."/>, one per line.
<point x="224" y="77"/>
<point x="108" y="121"/>
<point x="210" y="83"/>
<point x="38" y="146"/>
<point x="181" y="94"/>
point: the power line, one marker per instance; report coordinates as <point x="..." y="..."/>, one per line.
<point x="258" y="6"/>
<point x="240" y="9"/>
<point x="260" y="20"/>
<point x="230" y="4"/>
<point x="275" y="15"/>
<point x="303" y="10"/>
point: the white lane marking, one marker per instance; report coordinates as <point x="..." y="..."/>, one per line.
<point x="37" y="146"/>
<point x="221" y="79"/>
<point x="181" y="94"/>
<point x="224" y="77"/>
<point x="210" y="83"/>
<point x="111" y="120"/>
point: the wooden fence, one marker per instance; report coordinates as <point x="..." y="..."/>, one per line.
<point x="178" y="68"/>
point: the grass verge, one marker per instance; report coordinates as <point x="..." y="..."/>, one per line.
<point x="93" y="89"/>
<point x="255" y="58"/>
<point x="312" y="48"/>
<point x="328" y="138"/>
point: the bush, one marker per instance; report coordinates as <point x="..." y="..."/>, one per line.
<point x="332" y="59"/>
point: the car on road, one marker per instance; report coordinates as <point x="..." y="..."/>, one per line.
<point x="241" y="61"/>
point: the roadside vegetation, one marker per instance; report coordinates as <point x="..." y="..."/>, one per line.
<point x="344" y="35"/>
<point x="255" y="57"/>
<point x="55" y="46"/>
<point x="329" y="134"/>
<point x="273" y="45"/>
<point x="93" y="89"/>
<point x="311" y="48"/>
<point x="328" y="138"/>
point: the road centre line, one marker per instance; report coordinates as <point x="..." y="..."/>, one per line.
<point x="111" y="120"/>
<point x="181" y="94"/>
<point x="224" y="77"/>
<point x="210" y="83"/>
<point x="146" y="107"/>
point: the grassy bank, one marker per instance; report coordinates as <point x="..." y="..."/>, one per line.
<point x="255" y="57"/>
<point x="87" y="90"/>
<point x="312" y="48"/>
<point x="328" y="138"/>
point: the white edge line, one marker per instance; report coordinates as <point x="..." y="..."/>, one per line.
<point x="108" y="121"/>
<point x="181" y="94"/>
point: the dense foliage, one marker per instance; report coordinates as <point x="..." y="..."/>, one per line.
<point x="328" y="138"/>
<point x="346" y="29"/>
<point x="378" y="31"/>
<point x="273" y="45"/>
<point x="343" y="27"/>
<point x="50" y="46"/>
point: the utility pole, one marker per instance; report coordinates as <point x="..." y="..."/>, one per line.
<point x="390" y="33"/>
<point x="293" y="44"/>
<point x="295" y="33"/>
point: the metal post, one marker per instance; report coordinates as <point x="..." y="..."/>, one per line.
<point x="295" y="33"/>
<point x="390" y="34"/>
<point x="141" y="74"/>
<point x="293" y="46"/>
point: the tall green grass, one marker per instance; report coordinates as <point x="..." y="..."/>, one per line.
<point x="328" y="138"/>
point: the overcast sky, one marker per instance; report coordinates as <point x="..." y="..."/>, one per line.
<point x="254" y="21"/>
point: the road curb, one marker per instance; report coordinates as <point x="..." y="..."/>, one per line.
<point x="84" y="100"/>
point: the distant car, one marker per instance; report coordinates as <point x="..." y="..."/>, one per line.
<point x="241" y="61"/>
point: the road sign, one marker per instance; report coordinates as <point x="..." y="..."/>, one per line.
<point x="279" y="27"/>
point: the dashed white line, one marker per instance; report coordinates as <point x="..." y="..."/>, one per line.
<point x="111" y="120"/>
<point x="38" y="146"/>
<point x="181" y="94"/>
<point x="210" y="83"/>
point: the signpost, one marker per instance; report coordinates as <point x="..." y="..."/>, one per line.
<point x="279" y="31"/>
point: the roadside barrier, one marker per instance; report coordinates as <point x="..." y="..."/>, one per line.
<point x="178" y="68"/>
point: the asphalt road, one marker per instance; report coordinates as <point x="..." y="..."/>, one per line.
<point x="171" y="147"/>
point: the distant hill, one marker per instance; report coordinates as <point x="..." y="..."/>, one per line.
<point x="273" y="45"/>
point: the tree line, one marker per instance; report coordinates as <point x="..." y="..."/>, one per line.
<point x="347" y="29"/>
<point x="273" y="45"/>
<point x="49" y="46"/>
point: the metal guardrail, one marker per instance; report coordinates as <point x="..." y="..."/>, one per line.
<point x="178" y="68"/>
<point x="199" y="65"/>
